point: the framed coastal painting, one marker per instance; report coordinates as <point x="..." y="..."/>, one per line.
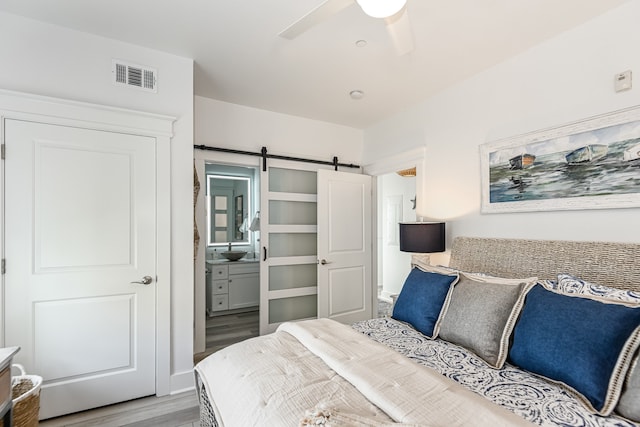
<point x="590" y="164"/>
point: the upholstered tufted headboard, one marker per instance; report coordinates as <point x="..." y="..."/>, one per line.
<point x="611" y="264"/>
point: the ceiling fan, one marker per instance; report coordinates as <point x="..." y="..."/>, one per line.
<point x="394" y="12"/>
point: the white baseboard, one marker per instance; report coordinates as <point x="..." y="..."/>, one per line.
<point x="182" y="381"/>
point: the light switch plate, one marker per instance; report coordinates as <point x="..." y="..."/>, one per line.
<point x="623" y="81"/>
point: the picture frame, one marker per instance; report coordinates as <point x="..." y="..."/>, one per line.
<point x="590" y="164"/>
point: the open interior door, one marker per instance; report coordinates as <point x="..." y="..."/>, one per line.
<point x="345" y="291"/>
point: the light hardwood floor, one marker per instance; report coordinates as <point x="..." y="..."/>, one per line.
<point x="180" y="410"/>
<point x="222" y="331"/>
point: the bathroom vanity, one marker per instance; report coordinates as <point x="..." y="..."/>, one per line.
<point x="232" y="285"/>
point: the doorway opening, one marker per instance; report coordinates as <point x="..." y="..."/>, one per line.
<point x="397" y="200"/>
<point x="227" y="279"/>
<point x="396" y="197"/>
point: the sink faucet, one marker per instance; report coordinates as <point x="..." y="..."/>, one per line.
<point x="229" y="247"/>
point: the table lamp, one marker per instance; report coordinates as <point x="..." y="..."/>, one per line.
<point x="422" y="238"/>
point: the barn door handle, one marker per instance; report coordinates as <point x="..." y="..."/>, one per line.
<point x="145" y="280"/>
<point x="264" y="253"/>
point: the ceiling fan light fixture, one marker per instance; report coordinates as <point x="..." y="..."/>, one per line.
<point x="381" y="8"/>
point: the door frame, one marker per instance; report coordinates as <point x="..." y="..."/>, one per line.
<point x="54" y="111"/>
<point x="405" y="160"/>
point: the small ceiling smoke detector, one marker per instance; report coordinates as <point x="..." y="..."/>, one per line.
<point x="361" y="43"/>
<point x="356" y="94"/>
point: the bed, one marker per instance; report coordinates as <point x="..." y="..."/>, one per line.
<point x="522" y="332"/>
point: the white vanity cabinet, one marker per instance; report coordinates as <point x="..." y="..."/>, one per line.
<point x="233" y="285"/>
<point x="218" y="288"/>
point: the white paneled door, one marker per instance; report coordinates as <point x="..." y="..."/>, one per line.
<point x="80" y="245"/>
<point x="345" y="291"/>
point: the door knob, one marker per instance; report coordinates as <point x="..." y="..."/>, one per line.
<point x="145" y="280"/>
<point x="324" y="262"/>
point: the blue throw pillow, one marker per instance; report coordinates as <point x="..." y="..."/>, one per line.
<point x="423" y="300"/>
<point x="583" y="343"/>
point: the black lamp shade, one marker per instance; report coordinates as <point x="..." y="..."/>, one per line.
<point x="422" y="237"/>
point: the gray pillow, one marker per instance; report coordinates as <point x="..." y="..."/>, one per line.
<point x="482" y="314"/>
<point x="629" y="403"/>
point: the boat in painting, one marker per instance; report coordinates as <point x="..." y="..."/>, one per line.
<point x="521" y="161"/>
<point x="632" y="153"/>
<point x="587" y="154"/>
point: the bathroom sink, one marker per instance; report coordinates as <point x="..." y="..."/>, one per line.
<point x="233" y="255"/>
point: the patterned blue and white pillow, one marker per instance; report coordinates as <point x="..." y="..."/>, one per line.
<point x="568" y="284"/>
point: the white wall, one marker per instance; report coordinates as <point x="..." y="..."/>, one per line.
<point x="227" y="125"/>
<point x="48" y="60"/>
<point x="561" y="80"/>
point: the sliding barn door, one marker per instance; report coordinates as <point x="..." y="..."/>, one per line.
<point x="288" y="241"/>
<point x="345" y="291"/>
<point x="315" y="239"/>
<point x="80" y="271"/>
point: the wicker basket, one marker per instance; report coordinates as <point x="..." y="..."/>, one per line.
<point x="25" y="392"/>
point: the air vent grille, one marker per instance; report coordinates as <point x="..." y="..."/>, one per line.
<point x="149" y="79"/>
<point x="137" y="76"/>
<point x="121" y="73"/>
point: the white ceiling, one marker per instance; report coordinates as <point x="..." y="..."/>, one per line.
<point x="239" y="57"/>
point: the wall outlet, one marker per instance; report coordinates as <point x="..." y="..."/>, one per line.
<point x="623" y="81"/>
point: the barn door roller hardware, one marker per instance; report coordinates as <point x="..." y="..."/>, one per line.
<point x="263" y="153"/>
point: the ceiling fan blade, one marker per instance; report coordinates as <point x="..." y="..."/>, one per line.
<point x="317" y="15"/>
<point x="399" y="28"/>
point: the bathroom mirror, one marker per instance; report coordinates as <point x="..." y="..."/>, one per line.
<point x="228" y="203"/>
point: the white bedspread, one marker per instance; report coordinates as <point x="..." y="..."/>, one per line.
<point x="274" y="380"/>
